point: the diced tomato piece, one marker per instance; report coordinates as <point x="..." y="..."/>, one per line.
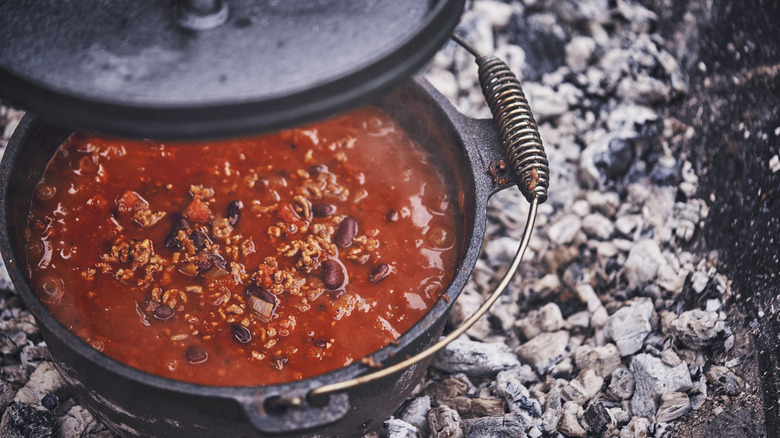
<point x="197" y="211"/>
<point x="130" y="201"/>
<point x="265" y="276"/>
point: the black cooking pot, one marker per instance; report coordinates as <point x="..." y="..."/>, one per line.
<point x="134" y="403"/>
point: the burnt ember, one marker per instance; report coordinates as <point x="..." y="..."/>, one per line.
<point x="21" y="420"/>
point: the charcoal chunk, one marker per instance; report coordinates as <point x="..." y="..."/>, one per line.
<point x="500" y="426"/>
<point x="475" y="358"/>
<point x="615" y="161"/>
<point x="598" y="418"/>
<point x="21" y="420"/>
<point x="444" y="422"/>
<point x="50" y="401"/>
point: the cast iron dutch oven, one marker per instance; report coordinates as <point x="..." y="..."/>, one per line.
<point x="466" y="151"/>
<point x="134" y="403"/>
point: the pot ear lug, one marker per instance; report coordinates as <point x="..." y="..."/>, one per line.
<point x="495" y="172"/>
<point x="318" y="400"/>
<point x="277" y="413"/>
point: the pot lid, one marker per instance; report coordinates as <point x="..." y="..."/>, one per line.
<point x="208" y="68"/>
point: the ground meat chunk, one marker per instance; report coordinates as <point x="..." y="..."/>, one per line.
<point x="146" y="217"/>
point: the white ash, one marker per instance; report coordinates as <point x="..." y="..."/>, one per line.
<point x="505" y="426"/>
<point x="603" y="360"/>
<point x="725" y="380"/>
<point x="622" y="384"/>
<point x="774" y="164"/>
<point x="638" y="427"/>
<point x="547" y="318"/>
<point x="565" y="229"/>
<point x="592" y="338"/>
<point x="653" y="378"/>
<point x="544" y="350"/>
<point x="698" y="328"/>
<point x="400" y="429"/>
<point x="509" y="385"/>
<point x="475" y="358"/>
<point x="629" y="326"/>
<point x="611" y="240"/>
<point x="416" y="413"/>
<point x="44" y="380"/>
<point x="78" y="422"/>
<point x="570" y="420"/>
<point x="5" y="279"/>
<point x="583" y="388"/>
<point x="673" y="406"/>
<point x="643" y="262"/>
<point x="601" y="421"/>
<point x="444" y="422"/>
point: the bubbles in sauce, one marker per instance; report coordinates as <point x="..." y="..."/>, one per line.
<point x="440" y="238"/>
<point x="51" y="290"/>
<point x="45" y="191"/>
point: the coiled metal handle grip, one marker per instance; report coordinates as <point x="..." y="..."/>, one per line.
<point x="516" y="123"/>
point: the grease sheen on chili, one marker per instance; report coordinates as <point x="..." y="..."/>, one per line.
<point x="243" y="262"/>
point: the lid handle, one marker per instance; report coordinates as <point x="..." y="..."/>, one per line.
<point x="201" y="14"/>
<point x="291" y="412"/>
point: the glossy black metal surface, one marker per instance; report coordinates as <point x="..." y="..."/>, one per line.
<point x="166" y="69"/>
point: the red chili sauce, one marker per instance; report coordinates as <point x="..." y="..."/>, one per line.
<point x="243" y="262"/>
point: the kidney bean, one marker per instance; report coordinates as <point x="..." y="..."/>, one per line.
<point x="241" y="334"/>
<point x="199" y="239"/>
<point x="234" y="212"/>
<point x="379" y="273"/>
<point x="196" y="354"/>
<point x="171" y="242"/>
<point x="260" y="292"/>
<point x="347" y="230"/>
<point x="333" y="274"/>
<point x="323" y="210"/>
<point x="213" y="259"/>
<point x="180" y="224"/>
<point x="163" y="313"/>
<point x="216" y="272"/>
